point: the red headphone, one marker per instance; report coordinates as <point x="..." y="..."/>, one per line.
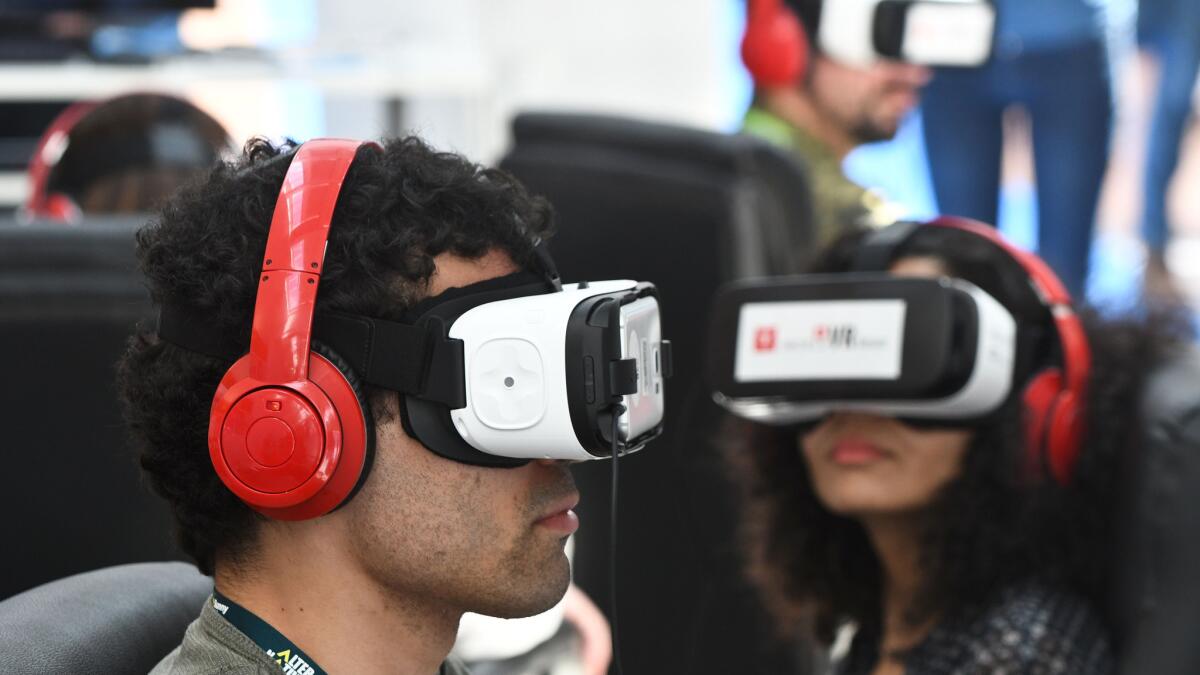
<point x="40" y="202"/>
<point x="289" y="428"/>
<point x="94" y="134"/>
<point x="775" y="46"/>
<point x="1055" y="398"/>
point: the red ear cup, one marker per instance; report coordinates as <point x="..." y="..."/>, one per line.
<point x="293" y="452"/>
<point x="1064" y="437"/>
<point x="775" y="46"/>
<point x="1039" y="397"/>
<point x="1053" y="427"/>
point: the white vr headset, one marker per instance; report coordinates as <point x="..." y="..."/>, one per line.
<point x="926" y="32"/>
<point x="791" y="350"/>
<point x="504" y="371"/>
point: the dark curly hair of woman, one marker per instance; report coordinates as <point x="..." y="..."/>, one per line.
<point x="990" y="527"/>
<point x="399" y="207"/>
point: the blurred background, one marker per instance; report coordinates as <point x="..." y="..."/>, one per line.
<point x="457" y="71"/>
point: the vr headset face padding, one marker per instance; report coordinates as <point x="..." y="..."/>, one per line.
<point x="775" y="46"/>
<point x="289" y="431"/>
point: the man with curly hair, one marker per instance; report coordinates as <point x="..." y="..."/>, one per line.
<point x="378" y="584"/>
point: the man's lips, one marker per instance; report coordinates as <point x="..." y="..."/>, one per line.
<point x="559" y="517"/>
<point x="856" y="452"/>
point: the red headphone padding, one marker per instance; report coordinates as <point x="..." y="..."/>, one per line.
<point x="287" y="433"/>
<point x="1054" y="399"/>
<point x="775" y="46"/>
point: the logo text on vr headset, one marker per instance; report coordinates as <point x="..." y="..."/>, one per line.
<point x="843" y="335"/>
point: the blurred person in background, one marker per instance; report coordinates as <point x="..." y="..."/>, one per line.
<point x="822" y="108"/>
<point x="119" y="156"/>
<point x="1170" y="31"/>
<point x="1053" y="58"/>
<point x="948" y="547"/>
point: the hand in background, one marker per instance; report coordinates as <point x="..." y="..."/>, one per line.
<point x="595" y="635"/>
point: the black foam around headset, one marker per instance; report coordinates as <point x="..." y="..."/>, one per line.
<point x="364" y="403"/>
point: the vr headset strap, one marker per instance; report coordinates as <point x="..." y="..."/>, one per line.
<point x="418" y="360"/>
<point x="879" y="248"/>
<point x="387" y="354"/>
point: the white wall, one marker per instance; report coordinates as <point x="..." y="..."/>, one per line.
<point x="476" y="62"/>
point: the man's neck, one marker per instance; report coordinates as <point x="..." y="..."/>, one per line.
<point x="798" y="109"/>
<point x="326" y="605"/>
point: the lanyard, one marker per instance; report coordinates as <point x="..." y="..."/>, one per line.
<point x="286" y="655"/>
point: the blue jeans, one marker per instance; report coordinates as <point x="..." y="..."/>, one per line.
<point x="1068" y="94"/>
<point x="1171" y="30"/>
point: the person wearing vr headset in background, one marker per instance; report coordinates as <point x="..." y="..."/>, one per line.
<point x="831" y="76"/>
<point x="123" y="155"/>
<point x="356" y="402"/>
<point x="930" y="449"/>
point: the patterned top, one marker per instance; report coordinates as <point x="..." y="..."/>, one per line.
<point x="1030" y="629"/>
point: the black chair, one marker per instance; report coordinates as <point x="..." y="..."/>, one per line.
<point x="686" y="209"/>
<point x="1156" y="598"/>
<point x="71" y="490"/>
<point x="119" y="620"/>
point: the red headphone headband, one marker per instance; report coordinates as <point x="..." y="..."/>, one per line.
<point x="1063" y="426"/>
<point x="294" y="259"/>
<point x="1053" y="293"/>
<point x="39" y="203"/>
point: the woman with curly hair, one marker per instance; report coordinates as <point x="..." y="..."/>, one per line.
<point x="940" y="543"/>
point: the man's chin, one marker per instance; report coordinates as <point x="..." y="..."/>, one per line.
<point x="532" y="596"/>
<point x="874" y="132"/>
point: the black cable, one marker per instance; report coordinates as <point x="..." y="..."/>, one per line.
<point x="617" y="411"/>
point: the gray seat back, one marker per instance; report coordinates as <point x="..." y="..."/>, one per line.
<point x="70" y="297"/>
<point x="119" y="620"/>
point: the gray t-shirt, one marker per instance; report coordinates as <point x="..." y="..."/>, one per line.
<point x="212" y="646"/>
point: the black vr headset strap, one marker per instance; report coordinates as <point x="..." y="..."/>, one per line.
<point x="419" y="360"/>
<point x="414" y="357"/>
<point x="541" y="253"/>
<point x="193" y="332"/>
<point x="416" y="360"/>
<point x="878" y="250"/>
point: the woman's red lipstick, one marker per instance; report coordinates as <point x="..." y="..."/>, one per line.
<point x="856" y="452"/>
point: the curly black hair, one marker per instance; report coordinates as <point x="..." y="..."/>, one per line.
<point x="990" y="527"/>
<point x="399" y="207"/>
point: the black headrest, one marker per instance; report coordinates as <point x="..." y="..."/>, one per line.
<point x="1156" y="599"/>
